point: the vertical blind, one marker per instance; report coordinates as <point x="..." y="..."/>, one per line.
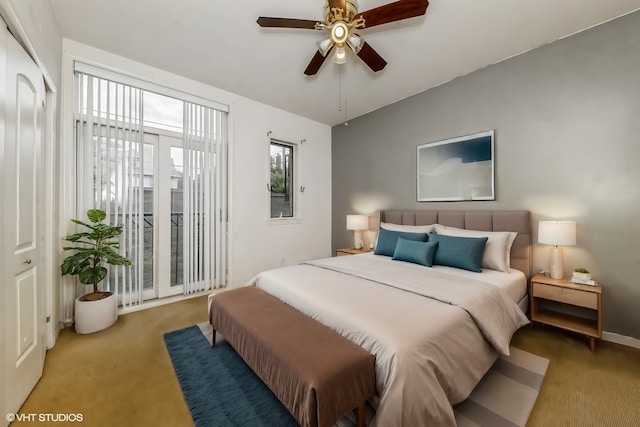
<point x="110" y="155"/>
<point x="204" y="130"/>
<point x="109" y="117"/>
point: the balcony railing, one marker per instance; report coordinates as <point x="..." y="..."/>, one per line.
<point x="177" y="235"/>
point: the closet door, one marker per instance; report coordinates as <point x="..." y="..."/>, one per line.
<point x="22" y="274"/>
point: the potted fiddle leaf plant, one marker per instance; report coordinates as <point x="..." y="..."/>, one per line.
<point x="94" y="247"/>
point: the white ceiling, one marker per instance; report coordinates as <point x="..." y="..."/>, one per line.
<point x="219" y="43"/>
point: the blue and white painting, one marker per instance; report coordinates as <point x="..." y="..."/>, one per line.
<point x="456" y="169"/>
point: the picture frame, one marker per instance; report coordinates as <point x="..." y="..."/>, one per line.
<point x="456" y="169"/>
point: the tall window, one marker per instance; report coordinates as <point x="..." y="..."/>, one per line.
<point x="282" y="179"/>
<point x="155" y="164"/>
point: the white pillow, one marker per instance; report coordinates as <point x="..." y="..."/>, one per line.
<point x="406" y="229"/>
<point x="497" y="252"/>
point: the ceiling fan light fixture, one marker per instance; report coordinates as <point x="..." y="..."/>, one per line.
<point x="324" y="46"/>
<point x="340" y="55"/>
<point x="355" y="42"/>
<point x="341" y="19"/>
<point x="339" y="32"/>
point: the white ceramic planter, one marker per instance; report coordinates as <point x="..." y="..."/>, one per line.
<point x="582" y="276"/>
<point x="94" y="316"/>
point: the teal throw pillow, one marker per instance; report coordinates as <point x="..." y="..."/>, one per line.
<point x="387" y="240"/>
<point x="459" y="252"/>
<point x="415" y="252"/>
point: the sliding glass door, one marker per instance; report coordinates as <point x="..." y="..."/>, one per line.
<point x="155" y="164"/>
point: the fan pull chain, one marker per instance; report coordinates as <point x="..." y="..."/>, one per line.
<point x="340" y="89"/>
<point x="345" y="112"/>
<point x="340" y="99"/>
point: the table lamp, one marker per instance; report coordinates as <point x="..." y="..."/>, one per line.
<point x="557" y="233"/>
<point x="357" y="223"/>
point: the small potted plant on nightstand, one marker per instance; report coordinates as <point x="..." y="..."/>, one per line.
<point x="96" y="310"/>
<point x="582" y="274"/>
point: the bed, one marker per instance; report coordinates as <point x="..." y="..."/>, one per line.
<point x="435" y="331"/>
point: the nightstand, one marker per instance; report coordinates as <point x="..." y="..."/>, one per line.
<point x="570" y="306"/>
<point x="351" y="251"/>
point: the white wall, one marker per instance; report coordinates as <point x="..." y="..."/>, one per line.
<point x="38" y="28"/>
<point x="254" y="244"/>
<point x="258" y="243"/>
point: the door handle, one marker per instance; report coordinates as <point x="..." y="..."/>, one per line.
<point x="28" y="261"/>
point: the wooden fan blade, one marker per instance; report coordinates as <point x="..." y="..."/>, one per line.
<point x="371" y="57"/>
<point x="395" y="11"/>
<point x="265" y="21"/>
<point x="316" y="63"/>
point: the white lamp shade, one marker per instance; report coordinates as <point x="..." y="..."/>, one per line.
<point x="355" y="42"/>
<point x="325" y="46"/>
<point x="558" y="233"/>
<point x="340" y="55"/>
<point x="357" y="222"/>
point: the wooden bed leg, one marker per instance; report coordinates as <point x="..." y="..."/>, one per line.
<point x="360" y="413"/>
<point x="213" y="337"/>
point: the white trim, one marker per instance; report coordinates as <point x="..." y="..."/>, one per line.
<point x="50" y="228"/>
<point x="164" y="301"/>
<point x="67" y="180"/>
<point x="228" y="182"/>
<point x="20" y="34"/>
<point x="162" y="241"/>
<point x="119" y="76"/>
<point x="621" y="339"/>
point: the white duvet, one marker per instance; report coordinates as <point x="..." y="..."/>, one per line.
<point x="434" y="333"/>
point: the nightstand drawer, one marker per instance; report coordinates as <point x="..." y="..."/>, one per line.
<point x="568" y="296"/>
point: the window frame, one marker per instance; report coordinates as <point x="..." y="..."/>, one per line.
<point x="296" y="186"/>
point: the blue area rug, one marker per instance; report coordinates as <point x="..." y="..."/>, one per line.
<point x="220" y="389"/>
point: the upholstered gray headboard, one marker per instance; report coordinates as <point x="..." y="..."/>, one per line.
<point x="519" y="221"/>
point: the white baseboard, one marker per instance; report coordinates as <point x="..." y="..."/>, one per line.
<point x="53" y="338"/>
<point x="162" y="301"/>
<point x="621" y="339"/>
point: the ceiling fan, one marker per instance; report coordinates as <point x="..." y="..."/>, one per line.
<point x="341" y="20"/>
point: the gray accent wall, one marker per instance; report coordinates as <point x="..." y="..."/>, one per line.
<point x="567" y="146"/>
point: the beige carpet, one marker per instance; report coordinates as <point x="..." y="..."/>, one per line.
<point x="582" y="388"/>
<point x="123" y="376"/>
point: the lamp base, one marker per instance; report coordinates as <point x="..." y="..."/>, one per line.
<point x="357" y="239"/>
<point x="556" y="265"/>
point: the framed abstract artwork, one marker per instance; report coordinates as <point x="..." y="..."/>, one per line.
<point x="456" y="169"/>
